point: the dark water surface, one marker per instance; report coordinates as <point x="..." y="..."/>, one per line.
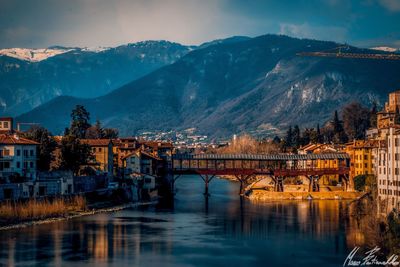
<point x="226" y="232"/>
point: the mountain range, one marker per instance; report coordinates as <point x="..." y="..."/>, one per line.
<point x="31" y="77"/>
<point x="256" y="85"/>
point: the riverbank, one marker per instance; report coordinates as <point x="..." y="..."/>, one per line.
<point x="73" y="215"/>
<point x="263" y="195"/>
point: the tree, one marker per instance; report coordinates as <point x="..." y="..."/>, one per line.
<point x="74" y="154"/>
<point x="373" y="120"/>
<point x="296" y="137"/>
<point x="320" y="137"/>
<point x="110" y="133"/>
<point x="309" y="135"/>
<point x="80" y="118"/>
<point x="356" y="120"/>
<point x="339" y="135"/>
<point x="276" y="140"/>
<point x="289" y="137"/>
<point x="46" y="146"/>
<point x="95" y="131"/>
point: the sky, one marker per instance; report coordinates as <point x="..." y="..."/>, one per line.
<point x="92" y="23"/>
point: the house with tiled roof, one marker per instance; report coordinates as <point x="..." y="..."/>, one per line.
<point x="17" y="156"/>
<point x="142" y="162"/>
<point x="6" y="125"/>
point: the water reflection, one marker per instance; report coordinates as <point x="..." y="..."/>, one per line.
<point x="226" y="230"/>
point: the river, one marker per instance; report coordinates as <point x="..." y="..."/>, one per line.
<point x="226" y="231"/>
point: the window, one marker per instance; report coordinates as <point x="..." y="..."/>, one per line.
<point x="5" y="124"/>
<point x="25" y="153"/>
<point x="365" y="157"/>
<point x="365" y="165"/>
<point x="31" y="165"/>
<point x="31" y="153"/>
<point x="100" y="149"/>
<point x="18" y="164"/>
<point x="18" y="152"/>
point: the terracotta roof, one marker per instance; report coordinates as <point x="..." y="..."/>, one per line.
<point x="6" y="139"/>
<point x="363" y="144"/>
<point x="130" y="154"/>
<point x="95" y="142"/>
<point x="6" y="119"/>
<point x="150" y="155"/>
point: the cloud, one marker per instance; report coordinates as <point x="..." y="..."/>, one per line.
<point x="306" y="30"/>
<point x="391" y="5"/>
<point x="41" y="23"/>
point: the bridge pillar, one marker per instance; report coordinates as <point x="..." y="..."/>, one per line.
<point x="206" y="180"/>
<point x="314" y="185"/>
<point x="244" y="182"/>
<point x="279" y="184"/>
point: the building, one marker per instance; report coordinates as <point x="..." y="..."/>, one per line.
<point x="6" y="125"/>
<point x="390" y="115"/>
<point x="388" y="171"/>
<point x="142" y="162"/>
<point x="361" y="157"/>
<point x="123" y="147"/>
<point x="102" y="150"/>
<point x="326" y="180"/>
<point x="17" y="156"/>
<point x="54" y="183"/>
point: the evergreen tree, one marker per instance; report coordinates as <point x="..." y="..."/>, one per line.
<point x="46" y="146"/>
<point x="373" y="116"/>
<point x="320" y="137"/>
<point x="289" y="137"/>
<point x="309" y="135"/>
<point x="296" y="141"/>
<point x="80" y="118"/>
<point x="339" y="135"/>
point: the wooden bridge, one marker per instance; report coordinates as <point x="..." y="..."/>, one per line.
<point x="247" y="168"/>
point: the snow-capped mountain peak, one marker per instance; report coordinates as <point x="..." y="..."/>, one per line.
<point x="385" y="49"/>
<point x="95" y="49"/>
<point x="33" y="55"/>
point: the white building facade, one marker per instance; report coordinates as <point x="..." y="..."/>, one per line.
<point x="17" y="156"/>
<point x="388" y="171"/>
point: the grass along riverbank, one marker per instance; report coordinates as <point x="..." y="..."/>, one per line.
<point x="73" y="215"/>
<point x="36" y="209"/>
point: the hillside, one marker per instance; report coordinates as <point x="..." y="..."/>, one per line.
<point x="31" y="77"/>
<point x="253" y="85"/>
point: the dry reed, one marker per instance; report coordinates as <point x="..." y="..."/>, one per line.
<point x="35" y="209"/>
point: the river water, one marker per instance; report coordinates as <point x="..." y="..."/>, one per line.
<point x="226" y="231"/>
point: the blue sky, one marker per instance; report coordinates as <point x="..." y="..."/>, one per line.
<point x="42" y="23"/>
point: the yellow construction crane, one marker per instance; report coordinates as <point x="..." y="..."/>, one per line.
<point x="339" y="54"/>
